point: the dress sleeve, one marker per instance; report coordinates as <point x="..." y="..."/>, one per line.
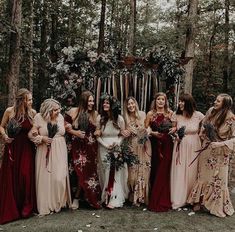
<point x="230" y="143"/>
<point x="36" y="125"/>
<point x="99" y="139"/>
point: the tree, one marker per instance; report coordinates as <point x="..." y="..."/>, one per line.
<point x="14" y="53"/>
<point x="102" y="25"/>
<point x="132" y="27"/>
<point x="190" y="44"/>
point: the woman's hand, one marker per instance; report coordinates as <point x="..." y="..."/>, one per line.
<point x="7" y="139"/>
<point x="125" y="133"/>
<point x="216" y="144"/>
<point x="80" y="134"/>
<point x="68" y="127"/>
<point x="47" y="140"/>
<point x="157" y="134"/>
<point x="98" y="133"/>
<point x="172" y="130"/>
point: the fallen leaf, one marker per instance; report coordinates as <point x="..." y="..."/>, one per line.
<point x="98" y="216"/>
<point x="79" y="231"/>
<point x="93" y="214"/>
<point x="179" y="209"/>
<point x="144" y="209"/>
<point x="88" y="225"/>
<point x="155" y="228"/>
<point x="185" y="209"/>
<point x="23" y="226"/>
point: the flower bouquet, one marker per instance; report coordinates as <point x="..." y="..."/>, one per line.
<point x="52" y="130"/>
<point x="119" y="155"/>
<point x="13" y="128"/>
<point x="142" y="136"/>
<point x="164" y="126"/>
<point x="180" y="133"/>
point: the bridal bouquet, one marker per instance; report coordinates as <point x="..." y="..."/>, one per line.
<point x="117" y="156"/>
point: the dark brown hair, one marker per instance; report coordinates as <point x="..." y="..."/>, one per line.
<point x="189" y="105"/>
<point x="154" y="106"/>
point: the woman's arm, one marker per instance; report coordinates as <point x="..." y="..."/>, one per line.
<point x="5" y="119"/>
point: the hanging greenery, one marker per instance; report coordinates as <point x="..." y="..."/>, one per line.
<point x="80" y="69"/>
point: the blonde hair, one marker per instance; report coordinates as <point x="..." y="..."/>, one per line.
<point x="126" y="112"/>
<point x="20" y="108"/>
<point x="47" y="107"/>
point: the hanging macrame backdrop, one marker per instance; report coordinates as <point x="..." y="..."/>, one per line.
<point x="122" y="84"/>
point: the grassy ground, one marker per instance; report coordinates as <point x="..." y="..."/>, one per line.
<point x="127" y="219"/>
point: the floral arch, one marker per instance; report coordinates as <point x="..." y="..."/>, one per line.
<point x="141" y="77"/>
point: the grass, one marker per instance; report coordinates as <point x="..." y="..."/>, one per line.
<point x="127" y="219"/>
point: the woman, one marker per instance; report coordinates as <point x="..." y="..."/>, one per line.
<point x="210" y="190"/>
<point x="85" y="150"/>
<point x="158" y="119"/>
<point x="183" y="171"/>
<point x="52" y="182"/>
<point x="138" y="174"/>
<point x="113" y="182"/>
<point x="17" y="194"/>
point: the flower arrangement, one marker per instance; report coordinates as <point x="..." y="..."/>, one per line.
<point x="13" y="128"/>
<point x="52" y="130"/>
<point x="119" y="155"/>
<point x="164" y="126"/>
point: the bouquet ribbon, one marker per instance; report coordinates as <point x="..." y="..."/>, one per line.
<point x="200" y="152"/>
<point x="111" y="180"/>
<point x="178" y="153"/>
<point x="10" y="154"/>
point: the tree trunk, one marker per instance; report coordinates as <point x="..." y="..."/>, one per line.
<point x="190" y="44"/>
<point x="132" y="27"/>
<point x="226" y="48"/>
<point x="102" y="25"/>
<point x="31" y="46"/>
<point x="14" y="54"/>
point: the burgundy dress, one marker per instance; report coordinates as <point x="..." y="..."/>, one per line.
<point x="84" y="160"/>
<point x="17" y="177"/>
<point x="161" y="165"/>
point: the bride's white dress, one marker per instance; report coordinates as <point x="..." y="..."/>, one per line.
<point x="119" y="193"/>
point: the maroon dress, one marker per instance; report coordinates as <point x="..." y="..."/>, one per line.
<point x="161" y="166"/>
<point x="17" y="177"/>
<point x="84" y="160"/>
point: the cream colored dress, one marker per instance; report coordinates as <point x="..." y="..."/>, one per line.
<point x="119" y="193"/>
<point x="52" y="181"/>
<point x="183" y="175"/>
<point x="138" y="175"/>
<point x="211" y="186"/>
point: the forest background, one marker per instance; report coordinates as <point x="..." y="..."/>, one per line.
<point x="34" y="33"/>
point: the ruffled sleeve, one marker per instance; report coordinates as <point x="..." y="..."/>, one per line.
<point x="230" y="143"/>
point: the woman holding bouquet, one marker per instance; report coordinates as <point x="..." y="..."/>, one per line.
<point x="138" y="174"/>
<point x="113" y="182"/>
<point x="158" y="119"/>
<point x="210" y="190"/>
<point x="52" y="181"/>
<point x="17" y="194"/>
<point x="183" y="171"/>
<point x="84" y="150"/>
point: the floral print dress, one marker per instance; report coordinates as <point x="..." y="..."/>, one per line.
<point x="211" y="186"/>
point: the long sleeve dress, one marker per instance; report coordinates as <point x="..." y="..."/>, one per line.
<point x="116" y="194"/>
<point x="160" y="200"/>
<point x="211" y="186"/>
<point x="52" y="180"/>
<point x="183" y="175"/>
<point x="84" y="154"/>
<point x="138" y="174"/>
<point x="17" y="183"/>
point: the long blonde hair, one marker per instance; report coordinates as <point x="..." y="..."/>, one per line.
<point x="47" y="107"/>
<point x="20" y="108"/>
<point x="126" y="112"/>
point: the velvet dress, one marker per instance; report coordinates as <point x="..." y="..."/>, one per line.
<point x="17" y="177"/>
<point x="161" y="166"/>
